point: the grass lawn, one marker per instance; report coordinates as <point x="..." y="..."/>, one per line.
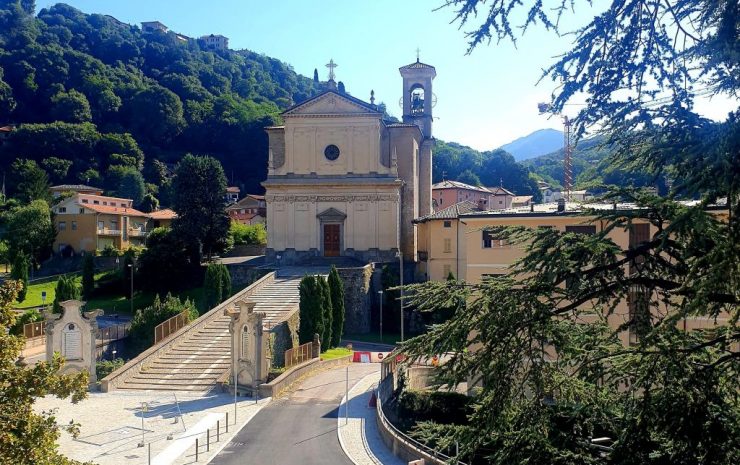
<point x="388" y="338"/>
<point x="33" y="296"/>
<point x="335" y="353"/>
<point x="109" y="303"/>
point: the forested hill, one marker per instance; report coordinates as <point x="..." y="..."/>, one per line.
<point x="490" y="169"/>
<point x="591" y="169"/>
<point x="96" y="100"/>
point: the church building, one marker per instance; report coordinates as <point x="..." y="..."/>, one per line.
<point x="343" y="182"/>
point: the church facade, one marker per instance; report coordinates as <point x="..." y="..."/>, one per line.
<point x="342" y="182"/>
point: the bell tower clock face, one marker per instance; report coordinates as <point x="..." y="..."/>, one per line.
<point x="331" y="152"/>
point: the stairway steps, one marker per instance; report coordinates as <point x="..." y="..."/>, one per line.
<point x="197" y="359"/>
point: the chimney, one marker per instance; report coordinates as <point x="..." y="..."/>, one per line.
<point x="561" y="205"/>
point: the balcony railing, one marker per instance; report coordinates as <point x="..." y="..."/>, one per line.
<point x="109" y="232"/>
<point x="137" y="232"/>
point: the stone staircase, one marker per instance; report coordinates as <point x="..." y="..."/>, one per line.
<point x="196" y="356"/>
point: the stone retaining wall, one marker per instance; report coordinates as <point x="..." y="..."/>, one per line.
<point x="120" y="376"/>
<point x="296" y="373"/>
<point x="401" y="445"/>
<point x="357" y="298"/>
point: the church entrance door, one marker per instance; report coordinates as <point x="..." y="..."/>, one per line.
<point x="331" y="240"/>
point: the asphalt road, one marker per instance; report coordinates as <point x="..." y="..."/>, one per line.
<point x="300" y="429"/>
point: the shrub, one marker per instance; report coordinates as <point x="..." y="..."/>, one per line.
<point x="141" y="334"/>
<point x="106" y="367"/>
<point x="437" y="406"/>
<point x="110" y="251"/>
<point x="245" y="234"/>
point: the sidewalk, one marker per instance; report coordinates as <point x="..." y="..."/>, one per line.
<point x="359" y="437"/>
<point x="111" y="425"/>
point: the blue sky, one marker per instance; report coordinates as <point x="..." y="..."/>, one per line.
<point x="485" y="99"/>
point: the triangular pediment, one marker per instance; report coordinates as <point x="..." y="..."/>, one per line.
<point x="331" y="214"/>
<point x="331" y="103"/>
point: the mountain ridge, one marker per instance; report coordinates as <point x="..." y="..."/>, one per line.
<point x="537" y="143"/>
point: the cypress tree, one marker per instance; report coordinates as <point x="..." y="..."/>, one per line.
<point x="225" y="282"/>
<point x="20" y="273"/>
<point x="311" y="317"/>
<point x="88" y="276"/>
<point x="315" y="76"/>
<point x="213" y="285"/>
<point x="66" y="289"/>
<point x="324" y="300"/>
<point x="336" y="290"/>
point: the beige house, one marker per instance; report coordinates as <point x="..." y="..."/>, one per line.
<point x="344" y="182"/>
<point x="162" y="218"/>
<point x="88" y="222"/>
<point x="455" y="241"/>
<point x="215" y="42"/>
<point x="501" y="198"/>
<point x="252" y="209"/>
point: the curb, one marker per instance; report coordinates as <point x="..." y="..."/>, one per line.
<point x="344" y="403"/>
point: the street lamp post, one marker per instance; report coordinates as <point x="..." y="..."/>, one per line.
<point x="381" y="315"/>
<point x="131" y="265"/>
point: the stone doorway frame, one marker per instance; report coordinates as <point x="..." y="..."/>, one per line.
<point x="331" y="216"/>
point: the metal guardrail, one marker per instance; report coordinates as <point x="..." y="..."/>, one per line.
<point x="298" y="355"/>
<point x="169" y="327"/>
<point x="34" y="330"/>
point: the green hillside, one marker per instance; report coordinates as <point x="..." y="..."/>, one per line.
<point x="94" y="99"/>
<point x="591" y="168"/>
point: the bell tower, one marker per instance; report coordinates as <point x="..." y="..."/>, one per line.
<point x="418" y="99"/>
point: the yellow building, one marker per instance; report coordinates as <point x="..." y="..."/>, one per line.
<point x="455" y="240"/>
<point x="87" y="222"/>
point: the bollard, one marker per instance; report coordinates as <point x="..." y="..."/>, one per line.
<point x="227" y="422"/>
<point x="208" y="440"/>
<point x="196" y="449"/>
<point x="218" y="430"/>
<point x="149" y="454"/>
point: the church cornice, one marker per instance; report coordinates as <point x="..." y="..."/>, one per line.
<point x="292" y="198"/>
<point x="332" y="115"/>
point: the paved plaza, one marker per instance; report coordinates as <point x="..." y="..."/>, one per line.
<point x="111" y="425"/>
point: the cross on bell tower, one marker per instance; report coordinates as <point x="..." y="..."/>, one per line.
<point x="331" y="65"/>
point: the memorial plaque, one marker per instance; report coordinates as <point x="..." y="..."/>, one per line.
<point x="72" y="342"/>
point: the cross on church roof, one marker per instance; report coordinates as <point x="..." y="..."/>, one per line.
<point x="331" y="65"/>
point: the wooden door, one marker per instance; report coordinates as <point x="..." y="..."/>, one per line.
<point x="331" y="240"/>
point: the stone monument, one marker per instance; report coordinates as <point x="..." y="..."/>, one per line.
<point x="72" y="335"/>
<point x="249" y="343"/>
